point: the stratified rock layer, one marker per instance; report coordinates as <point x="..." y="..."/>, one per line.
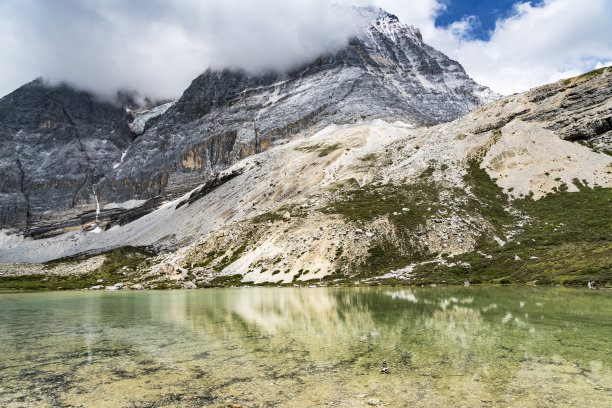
<point x="55" y="145"/>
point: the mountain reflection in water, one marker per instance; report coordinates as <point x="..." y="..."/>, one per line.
<point x="307" y="347"/>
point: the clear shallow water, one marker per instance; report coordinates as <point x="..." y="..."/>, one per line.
<point x="469" y="347"/>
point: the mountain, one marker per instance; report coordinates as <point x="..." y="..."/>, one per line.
<point x="517" y="191"/>
<point x="55" y="144"/>
<point x="92" y="168"/>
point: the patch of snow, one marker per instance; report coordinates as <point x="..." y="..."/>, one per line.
<point x="125" y="205"/>
<point x="97" y="203"/>
<point x="141" y="118"/>
<point x="121" y="160"/>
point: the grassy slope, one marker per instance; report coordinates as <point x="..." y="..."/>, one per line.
<point x="568" y="240"/>
<point x="110" y="272"/>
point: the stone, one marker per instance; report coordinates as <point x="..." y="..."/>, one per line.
<point x="189" y="285"/>
<point x="286" y="216"/>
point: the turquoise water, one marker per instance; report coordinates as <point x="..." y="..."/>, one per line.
<point x="472" y="347"/>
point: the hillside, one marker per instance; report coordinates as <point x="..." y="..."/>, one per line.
<point x="518" y="191"/>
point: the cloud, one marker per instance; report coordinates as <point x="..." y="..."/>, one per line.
<point x="532" y="46"/>
<point x="157" y="47"/>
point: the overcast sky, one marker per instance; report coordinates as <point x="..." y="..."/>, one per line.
<point x="157" y="47"/>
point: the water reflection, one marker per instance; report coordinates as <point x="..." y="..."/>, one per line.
<point x="308" y="347"/>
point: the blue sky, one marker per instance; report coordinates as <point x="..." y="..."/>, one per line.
<point x="486" y="13"/>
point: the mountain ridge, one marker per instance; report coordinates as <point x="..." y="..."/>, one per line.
<point x="386" y="72"/>
<point x="481" y="199"/>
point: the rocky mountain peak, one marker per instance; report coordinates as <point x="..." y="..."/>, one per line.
<point x="386" y="72"/>
<point x="390" y="26"/>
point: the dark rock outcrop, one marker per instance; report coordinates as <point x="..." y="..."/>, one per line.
<point x="578" y="109"/>
<point x="55" y="145"/>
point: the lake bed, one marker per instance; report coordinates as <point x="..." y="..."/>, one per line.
<point x="455" y="346"/>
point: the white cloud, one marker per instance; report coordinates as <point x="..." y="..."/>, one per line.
<point x="531" y="47"/>
<point x="534" y="46"/>
<point x="157" y="47"/>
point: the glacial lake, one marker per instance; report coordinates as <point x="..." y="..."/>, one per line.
<point x="301" y="347"/>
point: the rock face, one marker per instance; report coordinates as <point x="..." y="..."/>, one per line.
<point x="387" y="72"/>
<point x="55" y="145"/>
<point x="374" y="192"/>
<point x="579" y="108"/>
<point x="64" y="155"/>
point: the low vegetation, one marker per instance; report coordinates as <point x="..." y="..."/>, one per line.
<point x="587" y="75"/>
<point x="119" y="264"/>
<point x="567" y="239"/>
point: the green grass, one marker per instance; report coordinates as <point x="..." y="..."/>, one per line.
<point x="109" y="272"/>
<point x="228" y="280"/>
<point x="568" y="241"/>
<point x="366" y="204"/>
<point x="225" y="261"/>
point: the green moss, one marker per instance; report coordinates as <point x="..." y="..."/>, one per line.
<point x="370" y="157"/>
<point x="328" y="149"/>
